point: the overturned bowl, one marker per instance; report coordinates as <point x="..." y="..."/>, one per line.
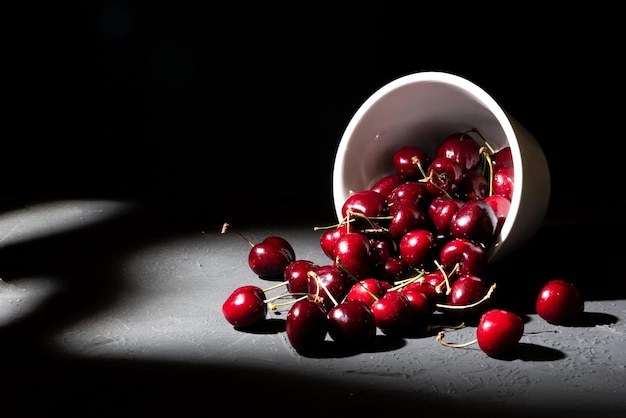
<point x="422" y="108"/>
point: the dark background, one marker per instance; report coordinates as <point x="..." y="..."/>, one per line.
<point x="239" y="107"/>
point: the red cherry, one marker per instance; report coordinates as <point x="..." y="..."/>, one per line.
<point x="444" y="176"/>
<point x="474" y="220"/>
<point x="422" y="309"/>
<point x="501" y="159"/>
<point x="416" y="247"/>
<point x="441" y="210"/>
<point x="498" y="331"/>
<point x="405" y="161"/>
<point x="353" y="252"/>
<point x="501" y="206"/>
<point x="386" y="184"/>
<point x="392" y="313"/>
<point x="474" y="186"/>
<point x="503" y="182"/>
<point x="330" y="237"/>
<point x="559" y="301"/>
<point x="392" y="269"/>
<point x="306" y="325"/>
<point x="462" y="148"/>
<point x="415" y="191"/>
<point x="366" y="290"/>
<point x="428" y="286"/>
<point x="351" y="323"/>
<point x="405" y="219"/>
<point x="245" y="307"/>
<point x="366" y="202"/>
<point x="469" y="256"/>
<point x="465" y="291"/>
<point x="296" y="275"/>
<point x="327" y="279"/>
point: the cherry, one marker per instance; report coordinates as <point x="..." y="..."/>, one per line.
<point x="392" y="269"/>
<point x="444" y="176"/>
<point x="327" y="285"/>
<point x="330" y="237"/>
<point x="366" y="290"/>
<point x="405" y="219"/>
<point x="297" y="275"/>
<point x="440" y="212"/>
<point x="415" y="191"/>
<point x="422" y="309"/>
<point x="462" y="148"/>
<point x="406" y="160"/>
<point x="393" y="312"/>
<point x="245" y="306"/>
<point x="501" y="206"/>
<point x="366" y="202"/>
<point x="269" y="257"/>
<point x="502" y="158"/>
<point x="383" y="247"/>
<point x="353" y="252"/>
<point x="503" y="182"/>
<point x="474" y="186"/>
<point x="428" y="286"/>
<point x="465" y="255"/>
<point x="467" y="291"/>
<point x="416" y="247"/>
<point x="498" y="331"/>
<point x="306" y="325"/>
<point x="474" y="220"/>
<point x="559" y="301"/>
<point x="351" y="323"/>
<point x="385" y="185"/>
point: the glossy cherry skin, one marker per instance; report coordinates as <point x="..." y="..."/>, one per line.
<point x="559" y="301"/>
<point x="353" y="252"/>
<point x="405" y="219"/>
<point x="501" y="207"/>
<point x="416" y="247"/>
<point x="306" y="325"/>
<point x="351" y="323"/>
<point x="428" y="287"/>
<point x="245" y="307"/>
<point x="498" y="331"/>
<point x="467" y="290"/>
<point x="502" y="158"/>
<point x="269" y="257"/>
<point x="366" y="290"/>
<point x="405" y="161"/>
<point x="504" y="182"/>
<point x="441" y="211"/>
<point x="470" y="257"/>
<point x="392" y="313"/>
<point x="474" y="220"/>
<point x="416" y="191"/>
<point x="474" y="186"/>
<point x="392" y="269"/>
<point x="386" y="184"/>
<point x="444" y="176"/>
<point x="326" y="279"/>
<point x="462" y="148"/>
<point x="330" y="237"/>
<point x="366" y="202"/>
<point x="296" y="275"/>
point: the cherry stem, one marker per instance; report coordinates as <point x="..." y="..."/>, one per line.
<point x="402" y="283"/>
<point x="274" y="306"/>
<point x="471" y="305"/>
<point x="323" y="286"/>
<point x="442" y="333"/>
<point x="276" y="286"/>
<point x="226" y="226"/>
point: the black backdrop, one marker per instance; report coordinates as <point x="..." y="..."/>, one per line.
<point x="240" y="107"/>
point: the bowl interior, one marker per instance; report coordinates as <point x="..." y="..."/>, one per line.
<point x="420" y="109"/>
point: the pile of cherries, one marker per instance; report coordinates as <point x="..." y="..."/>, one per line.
<point x="409" y="254"/>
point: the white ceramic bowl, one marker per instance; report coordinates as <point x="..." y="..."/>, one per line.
<point x="421" y="109"/>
